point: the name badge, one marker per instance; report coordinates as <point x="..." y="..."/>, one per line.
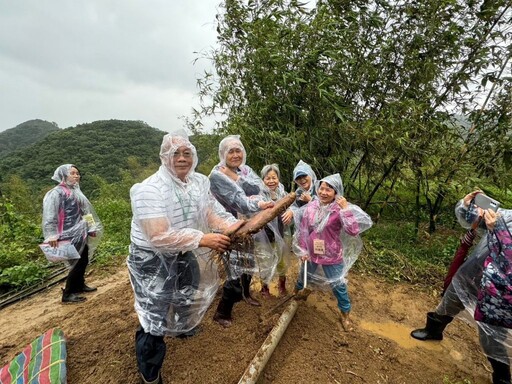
<point x="89" y="220"/>
<point x="319" y="247"/>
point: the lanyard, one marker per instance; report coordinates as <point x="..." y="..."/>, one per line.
<point x="178" y="196"/>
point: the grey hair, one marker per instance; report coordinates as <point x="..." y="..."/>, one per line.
<point x="270" y="167"/>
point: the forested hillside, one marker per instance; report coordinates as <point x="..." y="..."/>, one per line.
<point x="25" y="134"/>
<point x="111" y="155"/>
<point x="102" y="148"/>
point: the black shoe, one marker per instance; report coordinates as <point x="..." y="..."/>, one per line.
<point x="252" y="301"/>
<point x="158" y="380"/>
<point x="192" y="332"/>
<point x="87" y="289"/>
<point x="72" y="298"/>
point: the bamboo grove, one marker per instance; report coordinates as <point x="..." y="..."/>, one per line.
<point x="395" y="95"/>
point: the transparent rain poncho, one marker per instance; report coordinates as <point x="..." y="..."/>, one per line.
<point x="329" y="235"/>
<point x="303" y="168"/>
<point x="298" y="206"/>
<point x="278" y="234"/>
<point x="173" y="279"/>
<point x="241" y="198"/>
<point x="483" y="284"/>
<point x="68" y="215"/>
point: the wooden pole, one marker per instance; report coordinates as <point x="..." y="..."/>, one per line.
<point x="261" y="358"/>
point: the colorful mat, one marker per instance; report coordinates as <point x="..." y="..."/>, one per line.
<point x="42" y="362"/>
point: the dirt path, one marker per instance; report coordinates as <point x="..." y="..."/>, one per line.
<point x="314" y="349"/>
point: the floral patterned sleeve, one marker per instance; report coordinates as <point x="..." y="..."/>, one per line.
<point x="494" y="304"/>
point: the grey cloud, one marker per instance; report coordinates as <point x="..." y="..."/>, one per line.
<point x="109" y="49"/>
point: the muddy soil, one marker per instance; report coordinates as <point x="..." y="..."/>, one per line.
<point x="314" y="348"/>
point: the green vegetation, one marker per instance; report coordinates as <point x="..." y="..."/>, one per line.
<point x="393" y="249"/>
<point x="25" y="134"/>
<point x="104" y="151"/>
<point x="102" y="148"/>
<point x="411" y="102"/>
<point x="112" y="156"/>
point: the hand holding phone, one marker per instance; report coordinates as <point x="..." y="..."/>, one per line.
<point x="490" y="219"/>
<point x="485" y="202"/>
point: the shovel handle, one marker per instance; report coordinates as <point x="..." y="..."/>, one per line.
<point x="305" y="273"/>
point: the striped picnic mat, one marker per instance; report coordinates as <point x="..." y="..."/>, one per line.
<point x="41" y="362"/>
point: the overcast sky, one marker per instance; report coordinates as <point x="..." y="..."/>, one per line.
<point x="75" y="62"/>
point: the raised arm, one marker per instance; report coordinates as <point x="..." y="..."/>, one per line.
<point x="231" y="195"/>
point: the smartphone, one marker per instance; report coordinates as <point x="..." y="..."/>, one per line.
<point x="485" y="202"/>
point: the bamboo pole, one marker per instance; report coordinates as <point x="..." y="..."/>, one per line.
<point x="253" y="371"/>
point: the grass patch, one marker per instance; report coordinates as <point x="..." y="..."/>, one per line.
<point x="392" y="251"/>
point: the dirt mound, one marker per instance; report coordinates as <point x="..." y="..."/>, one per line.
<point x="314" y="349"/>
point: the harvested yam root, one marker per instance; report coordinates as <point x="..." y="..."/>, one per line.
<point x="262" y="218"/>
<point x="241" y="237"/>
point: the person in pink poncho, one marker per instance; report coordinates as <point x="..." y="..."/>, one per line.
<point x="328" y="235"/>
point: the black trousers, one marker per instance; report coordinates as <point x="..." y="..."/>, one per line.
<point x="150" y="349"/>
<point x="233" y="291"/>
<point x="237" y="289"/>
<point x="150" y="352"/>
<point x="75" y="280"/>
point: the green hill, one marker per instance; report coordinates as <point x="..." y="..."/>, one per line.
<point x="25" y="134"/>
<point x="101" y="148"/>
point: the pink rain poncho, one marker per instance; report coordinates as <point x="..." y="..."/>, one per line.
<point x="339" y="231"/>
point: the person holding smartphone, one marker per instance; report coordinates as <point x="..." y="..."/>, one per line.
<point x="482" y="285"/>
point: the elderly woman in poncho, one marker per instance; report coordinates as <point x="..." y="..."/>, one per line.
<point x="68" y="216"/>
<point x="239" y="189"/>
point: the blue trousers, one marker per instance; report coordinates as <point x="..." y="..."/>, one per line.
<point x="332" y="272"/>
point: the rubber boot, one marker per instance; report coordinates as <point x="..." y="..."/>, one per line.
<point x="500" y="372"/>
<point x="223" y="313"/>
<point x="265" y="291"/>
<point x="246" y="292"/>
<point x="434" y="328"/>
<point x="282" y="286"/>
